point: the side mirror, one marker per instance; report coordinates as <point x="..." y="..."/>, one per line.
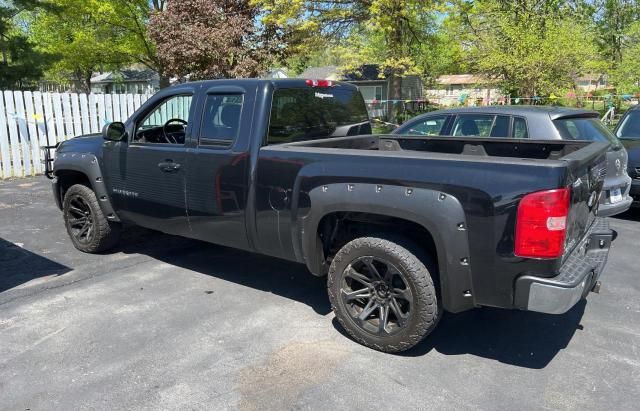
<point x="114" y="131"/>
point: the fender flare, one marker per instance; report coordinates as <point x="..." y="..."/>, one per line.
<point x="88" y="164"/>
<point x="439" y="213"/>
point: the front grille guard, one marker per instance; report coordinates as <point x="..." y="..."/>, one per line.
<point x="49" y="157"/>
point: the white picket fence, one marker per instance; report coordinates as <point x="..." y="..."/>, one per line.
<point x="29" y="120"/>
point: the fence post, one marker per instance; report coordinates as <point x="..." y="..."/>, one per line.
<point x="4" y="141"/>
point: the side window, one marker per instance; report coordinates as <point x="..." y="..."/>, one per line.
<point x="477" y="125"/>
<point x="501" y="126"/>
<point x="167" y="123"/>
<point x="431" y="126"/>
<point x="520" y="128"/>
<point x="221" y="119"/>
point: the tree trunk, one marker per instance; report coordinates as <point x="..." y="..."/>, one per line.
<point x="395" y="95"/>
<point x="165" y="81"/>
<point x="86" y="83"/>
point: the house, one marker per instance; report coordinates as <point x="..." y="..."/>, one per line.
<point x="276" y="73"/>
<point x="592" y="82"/>
<point x="322" y="73"/>
<point x="130" y="81"/>
<point x="455" y="89"/>
<point x="373" y="83"/>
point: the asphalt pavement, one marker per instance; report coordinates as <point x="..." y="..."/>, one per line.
<point x="169" y="323"/>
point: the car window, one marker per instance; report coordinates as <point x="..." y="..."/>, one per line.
<point x="501" y="126"/>
<point x="630" y="126"/>
<point x="476" y="125"/>
<point x="221" y="119"/>
<point x="301" y="114"/>
<point x="585" y="128"/>
<point x="166" y="123"/>
<point x="430" y="126"/>
<point x="520" y="128"/>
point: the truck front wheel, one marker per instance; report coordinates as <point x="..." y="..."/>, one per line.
<point x="88" y="228"/>
<point x="382" y="294"/>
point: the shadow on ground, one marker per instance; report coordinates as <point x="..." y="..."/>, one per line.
<point x="633" y="214"/>
<point x="523" y="339"/>
<point x="19" y="266"/>
<point x="280" y="277"/>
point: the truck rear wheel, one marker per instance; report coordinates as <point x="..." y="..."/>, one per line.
<point x="88" y="228"/>
<point x="382" y="294"/>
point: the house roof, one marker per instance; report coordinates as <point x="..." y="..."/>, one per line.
<point x="367" y="72"/>
<point x="592" y="77"/>
<point x="463" y="79"/>
<point x="277" y="73"/>
<point x="321" y="73"/>
<point x="125" y="76"/>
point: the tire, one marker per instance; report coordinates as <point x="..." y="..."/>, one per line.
<point x="87" y="226"/>
<point x="380" y="275"/>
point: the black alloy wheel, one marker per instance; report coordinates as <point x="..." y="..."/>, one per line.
<point x="383" y="294"/>
<point x="80" y="220"/>
<point x="376" y="295"/>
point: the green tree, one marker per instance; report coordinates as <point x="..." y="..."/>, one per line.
<point x="21" y="65"/>
<point x="131" y="18"/>
<point x="81" y="42"/>
<point x="626" y="74"/>
<point x="613" y="19"/>
<point x="531" y="47"/>
<point x="391" y="33"/>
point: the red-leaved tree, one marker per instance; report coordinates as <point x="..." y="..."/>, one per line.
<point x="208" y="39"/>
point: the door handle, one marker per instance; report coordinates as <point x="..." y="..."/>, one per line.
<point x="169" y="166"/>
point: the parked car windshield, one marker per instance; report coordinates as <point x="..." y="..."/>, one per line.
<point x="581" y="128"/>
<point x="630" y="127"/>
<point x="302" y="114"/>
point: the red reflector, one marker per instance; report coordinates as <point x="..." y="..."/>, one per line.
<point x="541" y="225"/>
<point x="320" y="83"/>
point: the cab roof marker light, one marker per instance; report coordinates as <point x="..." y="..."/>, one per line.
<point x="320" y="83"/>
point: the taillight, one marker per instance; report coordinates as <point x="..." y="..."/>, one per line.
<point x="320" y="83"/>
<point x="541" y="225"/>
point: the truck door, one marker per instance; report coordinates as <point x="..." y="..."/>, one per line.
<point x="217" y="177"/>
<point x="155" y="166"/>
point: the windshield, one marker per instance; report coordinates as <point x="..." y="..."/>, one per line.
<point x="630" y="127"/>
<point x="581" y="128"/>
<point x="300" y="114"/>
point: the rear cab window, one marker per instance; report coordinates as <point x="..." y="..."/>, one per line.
<point x="585" y="128"/>
<point x="301" y="114"/>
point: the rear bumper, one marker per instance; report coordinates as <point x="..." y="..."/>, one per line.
<point x="578" y="275"/>
<point x="606" y="208"/>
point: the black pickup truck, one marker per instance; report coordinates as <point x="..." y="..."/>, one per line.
<point x="403" y="227"/>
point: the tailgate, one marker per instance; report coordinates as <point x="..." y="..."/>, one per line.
<point x="587" y="171"/>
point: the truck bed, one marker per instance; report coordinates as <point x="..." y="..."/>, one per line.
<point x="467" y="146"/>
<point x="485" y="177"/>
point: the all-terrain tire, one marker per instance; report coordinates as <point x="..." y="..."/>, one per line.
<point x="425" y="311"/>
<point x="102" y="234"/>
